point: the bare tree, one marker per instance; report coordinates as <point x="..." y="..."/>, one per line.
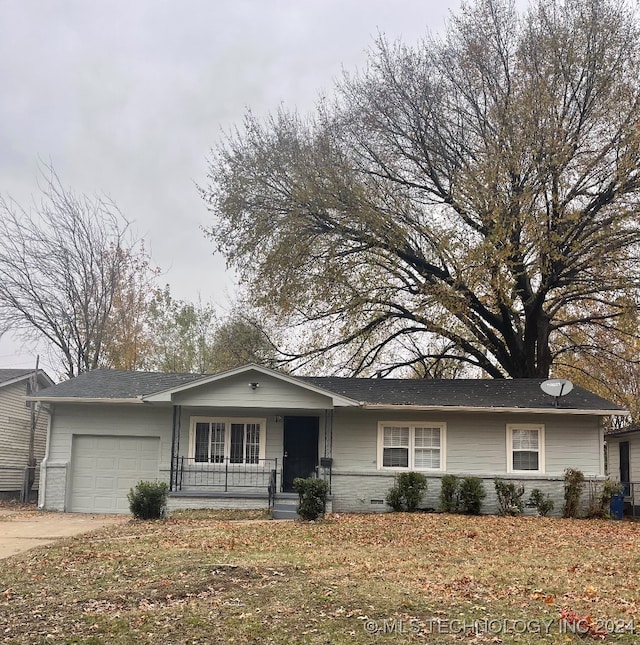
<point x="477" y="193"/>
<point x="61" y="265"/>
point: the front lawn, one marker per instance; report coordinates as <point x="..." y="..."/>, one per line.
<point x="394" y="578"/>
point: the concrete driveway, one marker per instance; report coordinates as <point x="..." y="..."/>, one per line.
<point x="23" y="530"/>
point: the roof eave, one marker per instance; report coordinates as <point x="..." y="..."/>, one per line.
<point x="470" y="408"/>
<point x="23" y="377"/>
<point x="623" y="433"/>
<point x="80" y="399"/>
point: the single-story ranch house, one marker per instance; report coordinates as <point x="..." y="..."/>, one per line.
<point x="229" y="439"/>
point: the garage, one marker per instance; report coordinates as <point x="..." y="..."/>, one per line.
<point x="105" y="468"/>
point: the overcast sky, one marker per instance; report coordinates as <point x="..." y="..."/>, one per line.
<point x="128" y="97"/>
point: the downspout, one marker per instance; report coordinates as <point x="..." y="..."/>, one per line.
<point x="328" y="441"/>
<point x="42" y="486"/>
<point x="601" y="436"/>
<point x="175" y="448"/>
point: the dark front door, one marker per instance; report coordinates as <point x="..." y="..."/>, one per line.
<point x="300" y="449"/>
<point x="624" y="466"/>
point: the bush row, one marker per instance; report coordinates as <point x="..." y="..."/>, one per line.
<point x="148" y="500"/>
<point x="465" y="495"/>
<point x="456" y="495"/>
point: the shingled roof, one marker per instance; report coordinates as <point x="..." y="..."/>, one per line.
<point x="117" y="384"/>
<point x="475" y="393"/>
<point x="11" y="375"/>
<point x="455" y="393"/>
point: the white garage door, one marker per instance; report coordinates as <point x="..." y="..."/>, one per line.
<point x="104" y="469"/>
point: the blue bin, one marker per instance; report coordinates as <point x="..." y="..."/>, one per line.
<point x="617" y="507"/>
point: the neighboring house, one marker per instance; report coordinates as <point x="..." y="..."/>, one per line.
<point x="623" y="464"/>
<point x="223" y="440"/>
<point x="15" y="428"/>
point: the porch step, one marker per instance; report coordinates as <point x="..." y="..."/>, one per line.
<point x="284" y="507"/>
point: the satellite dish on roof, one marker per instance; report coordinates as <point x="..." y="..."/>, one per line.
<point x="556" y="387"/>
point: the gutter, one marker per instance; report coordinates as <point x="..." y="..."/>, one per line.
<point x="469" y="408"/>
<point x="369" y="406"/>
<point x="42" y="485"/>
<point x="77" y="399"/>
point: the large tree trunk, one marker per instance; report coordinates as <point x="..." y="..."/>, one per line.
<point x="536" y="358"/>
<point x="543" y="351"/>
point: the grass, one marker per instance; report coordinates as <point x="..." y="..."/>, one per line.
<point x="199" y="577"/>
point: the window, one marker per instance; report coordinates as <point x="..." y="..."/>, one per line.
<point x="525" y="448"/>
<point x="412" y="445"/>
<point x="240" y="441"/>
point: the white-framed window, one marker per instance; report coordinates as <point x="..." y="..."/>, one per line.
<point x="525" y="448"/>
<point x="412" y="446"/>
<point x="216" y="440"/>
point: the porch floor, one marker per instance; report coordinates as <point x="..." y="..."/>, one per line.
<point x="284" y="506"/>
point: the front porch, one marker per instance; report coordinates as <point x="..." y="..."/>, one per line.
<point x="225" y="475"/>
<point x="228" y="484"/>
<point x="223" y="458"/>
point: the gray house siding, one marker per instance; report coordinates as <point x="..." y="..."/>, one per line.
<point x="613" y="456"/>
<point x="359" y="493"/>
<point x="15" y="423"/>
<point x="236" y="392"/>
<point x="632" y="493"/>
<point x="476" y="443"/>
<point x="97" y="420"/>
<point x="475" y="446"/>
<point x="153" y="420"/>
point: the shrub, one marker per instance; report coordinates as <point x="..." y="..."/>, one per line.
<point x="394" y="499"/>
<point x="573" y="489"/>
<point x="313" y="497"/>
<point x="407" y="492"/>
<point x="148" y="500"/>
<point x="449" y="494"/>
<point x="509" y="497"/>
<point x="472" y="493"/>
<point x="543" y="503"/>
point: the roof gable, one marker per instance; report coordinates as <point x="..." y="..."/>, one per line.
<point x="10" y="376"/>
<point x="252" y="386"/>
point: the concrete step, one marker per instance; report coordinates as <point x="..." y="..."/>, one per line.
<point x="284" y="506"/>
<point x="282" y="514"/>
<point x="287" y="497"/>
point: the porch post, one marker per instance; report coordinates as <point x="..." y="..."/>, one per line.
<point x="328" y="433"/>
<point x="175" y="447"/>
<point x="328" y="441"/>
